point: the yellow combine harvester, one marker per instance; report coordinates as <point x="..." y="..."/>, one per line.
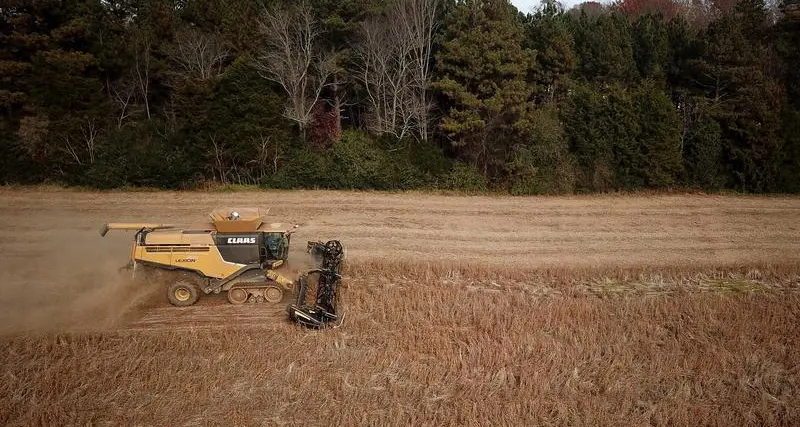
<point x="240" y="253"/>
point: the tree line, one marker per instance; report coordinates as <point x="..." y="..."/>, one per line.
<point x="399" y="94"/>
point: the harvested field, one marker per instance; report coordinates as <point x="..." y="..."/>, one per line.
<point x="483" y="310"/>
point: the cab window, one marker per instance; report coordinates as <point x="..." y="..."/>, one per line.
<point x="277" y="246"/>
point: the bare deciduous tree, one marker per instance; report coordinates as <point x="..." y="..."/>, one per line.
<point x="200" y="55"/>
<point x="142" y="70"/>
<point x="418" y="18"/>
<point x="394" y="64"/>
<point x="90" y="132"/>
<point x="294" y="60"/>
<point x="69" y="149"/>
<point x="689" y="113"/>
<point x="122" y="93"/>
<point x="266" y="162"/>
<point x="384" y="70"/>
<point x="218" y="152"/>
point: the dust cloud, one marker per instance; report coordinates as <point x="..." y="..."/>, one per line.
<point x="69" y="281"/>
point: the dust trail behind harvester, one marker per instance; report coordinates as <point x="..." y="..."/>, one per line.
<point x="75" y="283"/>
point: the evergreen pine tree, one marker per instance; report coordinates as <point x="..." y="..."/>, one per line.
<point x="482" y="68"/>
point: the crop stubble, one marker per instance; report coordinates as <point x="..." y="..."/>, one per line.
<point x="595" y="310"/>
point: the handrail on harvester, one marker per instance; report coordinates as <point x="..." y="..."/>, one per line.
<point x="131" y="226"/>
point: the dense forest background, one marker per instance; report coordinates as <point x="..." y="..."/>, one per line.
<point x="398" y="94"/>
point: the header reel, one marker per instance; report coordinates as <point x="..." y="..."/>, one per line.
<point x="317" y="299"/>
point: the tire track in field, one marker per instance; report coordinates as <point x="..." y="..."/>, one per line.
<point x="210" y="312"/>
<point x="57" y="273"/>
<point x="215" y="312"/>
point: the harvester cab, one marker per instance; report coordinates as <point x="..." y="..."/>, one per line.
<point x="243" y="236"/>
<point x="240" y="253"/>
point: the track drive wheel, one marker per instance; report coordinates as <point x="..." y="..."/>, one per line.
<point x="183" y="293"/>
<point x="273" y="294"/>
<point x="237" y="296"/>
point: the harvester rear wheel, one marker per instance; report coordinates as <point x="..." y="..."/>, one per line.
<point x="237" y="296"/>
<point x="183" y="293"/>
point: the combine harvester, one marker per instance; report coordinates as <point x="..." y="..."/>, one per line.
<point x="242" y="254"/>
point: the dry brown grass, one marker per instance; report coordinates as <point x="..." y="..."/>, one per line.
<point x="784" y="272"/>
<point x="431" y="354"/>
<point x="648" y="310"/>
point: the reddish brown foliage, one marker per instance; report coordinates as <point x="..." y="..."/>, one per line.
<point x="635" y="8"/>
<point x="325" y="128"/>
<point x="591" y="8"/>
